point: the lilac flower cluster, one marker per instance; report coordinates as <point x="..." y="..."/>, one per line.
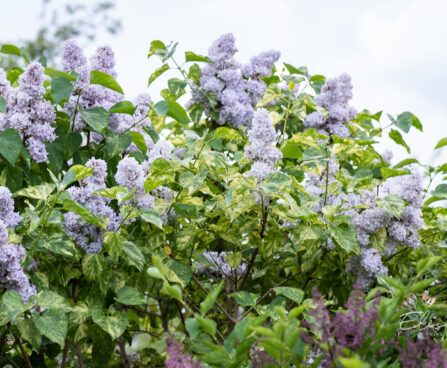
<point x="91" y="95"/>
<point x="132" y="174"/>
<point x="27" y="112"/>
<point x="85" y="235"/>
<point x="347" y="329"/>
<point x="237" y="88"/>
<point x="219" y="266"/>
<point x="99" y="96"/>
<point x="399" y="231"/>
<point x="12" y="275"/>
<point x="177" y="357"/>
<point x="334" y="97"/>
<point x="262" y="136"/>
<point x="424" y="352"/>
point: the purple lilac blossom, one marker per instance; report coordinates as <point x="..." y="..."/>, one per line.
<point x="237" y="89"/>
<point x="88" y="236"/>
<point x="334" y="97"/>
<point x="262" y="136"/>
<point x="177" y="357"/>
<point x="28" y="112"/>
<point x="7" y="215"/>
<point x="12" y="275"/>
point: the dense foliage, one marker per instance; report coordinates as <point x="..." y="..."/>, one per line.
<point x="244" y="220"/>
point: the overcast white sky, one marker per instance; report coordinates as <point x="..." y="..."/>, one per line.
<point x="395" y="50"/>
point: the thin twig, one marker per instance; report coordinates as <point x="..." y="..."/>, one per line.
<point x="221" y="308"/>
<point x="64" y="354"/>
<point x="79" y="355"/>
<point x="269" y="291"/>
<point x="123" y="353"/>
<point x="24" y="353"/>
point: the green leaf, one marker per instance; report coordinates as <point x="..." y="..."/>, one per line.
<point x="389" y="173"/>
<point x="58" y="243"/>
<point x="442" y="142"/>
<point x="49" y="299"/>
<point x="406" y="120"/>
<point x="14" y="74"/>
<point x="196" y="112"/>
<point x="345" y="236"/>
<point x="151" y="216"/>
<point x="246" y="299"/>
<point x="3" y="107"/>
<point x="173" y="290"/>
<point x="97" y="118"/>
<point x="159" y="71"/>
<point x="156" y="46"/>
<point x="89" y="216"/>
<point x="393" y="204"/>
<point x="10" y="49"/>
<point x="41" y="192"/>
<point x="207" y="325"/>
<point x="113" y="244"/>
<point x="195" y="73"/>
<point x="211" y="298"/>
<point x="10" y="145"/>
<point x="61" y="89"/>
<point x="233" y="259"/>
<point x="227" y="133"/>
<point x="138" y="140"/>
<point x="116" y="144"/>
<point x="192" y="327"/>
<point x="53" y="73"/>
<point x="405" y="162"/>
<point x="123" y="107"/>
<point x="130" y="296"/>
<point x="397" y="137"/>
<point x="114" y="323"/>
<point x="53" y="324"/>
<point x="302" y="70"/>
<point x="134" y="256"/>
<point x="190" y="56"/>
<point x="76" y="173"/>
<point x="29" y="332"/>
<point x="92" y="266"/>
<point x="172" y="109"/>
<point x="13" y="304"/>
<point x="179" y="272"/>
<point x="155" y="273"/>
<point x="440" y="191"/>
<point x="291" y="293"/>
<point x="105" y="80"/>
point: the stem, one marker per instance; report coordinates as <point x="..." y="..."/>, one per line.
<point x="79" y="355"/>
<point x="269" y="291"/>
<point x="123" y="353"/>
<point x="327" y="182"/>
<point x="64" y="354"/>
<point x="221" y="308"/>
<point x="76" y="109"/>
<point x="228" y="299"/>
<point x="24" y="353"/>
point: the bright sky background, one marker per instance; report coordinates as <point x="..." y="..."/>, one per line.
<point x="395" y="50"/>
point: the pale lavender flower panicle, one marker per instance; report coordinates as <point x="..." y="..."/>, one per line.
<point x="315" y="120"/>
<point x="31" y="81"/>
<point x="28" y="112"/>
<point x="372" y="262"/>
<point x="177" y="357"/>
<point x="7" y="215"/>
<point x="262" y="136"/>
<point x="97" y="178"/>
<point x="104" y="60"/>
<point x="237" y="89"/>
<point x="161" y="149"/>
<point x="223" y="48"/>
<point x="12" y="275"/>
<point x="86" y="235"/>
<point x="334" y="97"/>
<point x="73" y="59"/>
<point x="130" y="173"/>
